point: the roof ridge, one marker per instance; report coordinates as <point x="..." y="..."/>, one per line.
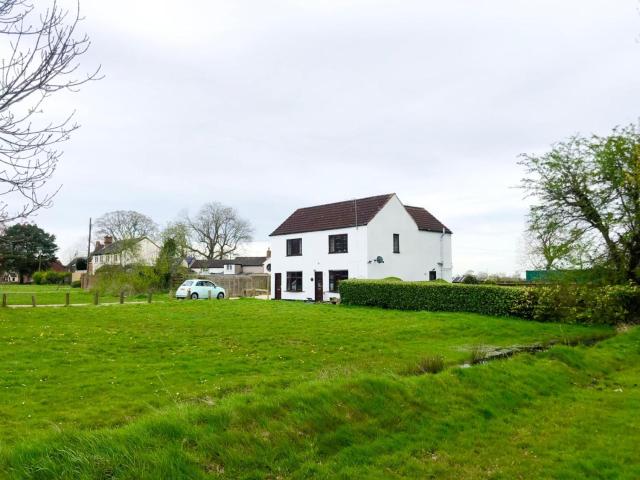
<point x="346" y="201"/>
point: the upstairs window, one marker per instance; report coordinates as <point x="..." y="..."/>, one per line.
<point x="335" y="276"/>
<point x="294" y="281"/>
<point x="396" y="243"/>
<point x="339" y="243"/>
<point x="294" y="247"/>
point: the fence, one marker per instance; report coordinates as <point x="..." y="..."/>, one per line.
<point x="236" y="285"/>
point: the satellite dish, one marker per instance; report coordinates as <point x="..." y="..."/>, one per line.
<point x="379" y="259"/>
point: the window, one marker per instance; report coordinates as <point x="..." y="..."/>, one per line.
<point x="396" y="243"/>
<point x="294" y="247"/>
<point x="338" y="243"/>
<point x="294" y="281"/>
<point x="201" y="284"/>
<point x="335" y="276"/>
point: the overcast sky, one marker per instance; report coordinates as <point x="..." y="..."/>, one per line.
<point x="269" y="106"/>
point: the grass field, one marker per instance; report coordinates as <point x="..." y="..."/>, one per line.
<point x="251" y="389"/>
<point x="55" y="295"/>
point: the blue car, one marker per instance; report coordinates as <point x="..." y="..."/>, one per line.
<point x="199" y="288"/>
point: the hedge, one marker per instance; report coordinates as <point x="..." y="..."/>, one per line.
<point x="611" y="304"/>
<point x="444" y="297"/>
<point x="51" y="277"/>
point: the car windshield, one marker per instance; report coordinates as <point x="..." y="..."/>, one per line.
<point x="187" y="283"/>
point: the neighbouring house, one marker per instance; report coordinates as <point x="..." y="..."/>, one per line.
<point x="374" y="237"/>
<point x="123" y="252"/>
<point x="9" y="277"/>
<point x="210" y="267"/>
<point x="233" y="266"/>
<point x="78" y="267"/>
<point x="57" y="266"/>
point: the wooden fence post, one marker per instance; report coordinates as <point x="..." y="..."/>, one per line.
<point x="149" y="298"/>
<point x="209" y="295"/>
<point x="189" y="294"/>
<point x="121" y="297"/>
<point x="96" y="298"/>
<point x="33" y="300"/>
<point x="4" y="299"/>
<point x="67" y="299"/>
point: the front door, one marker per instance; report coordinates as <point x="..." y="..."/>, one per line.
<point x="278" y="286"/>
<point x="319" y="287"/>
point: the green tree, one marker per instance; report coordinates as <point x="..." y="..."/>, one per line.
<point x="590" y="188"/>
<point x="26" y="248"/>
<point x="168" y="262"/>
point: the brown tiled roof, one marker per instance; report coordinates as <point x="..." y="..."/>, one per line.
<point x="333" y="215"/>
<point x="425" y="220"/>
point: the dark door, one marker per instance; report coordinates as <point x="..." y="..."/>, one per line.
<point x="278" y="286"/>
<point x="432" y="275"/>
<point x="319" y="287"/>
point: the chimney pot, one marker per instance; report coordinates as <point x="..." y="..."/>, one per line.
<point x="268" y="252"/>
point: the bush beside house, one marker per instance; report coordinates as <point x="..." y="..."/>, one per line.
<point x="51" y="277"/>
<point x="565" y="303"/>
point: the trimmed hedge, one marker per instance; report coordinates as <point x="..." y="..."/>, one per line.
<point x="444" y="297"/>
<point x="612" y="304"/>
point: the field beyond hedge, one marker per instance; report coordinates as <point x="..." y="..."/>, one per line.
<point x="255" y="389"/>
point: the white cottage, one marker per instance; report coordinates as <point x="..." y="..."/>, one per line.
<point x="373" y="237"/>
<point x="140" y="250"/>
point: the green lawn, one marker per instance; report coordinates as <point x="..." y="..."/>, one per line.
<point x="55" y="295"/>
<point x="254" y="389"/>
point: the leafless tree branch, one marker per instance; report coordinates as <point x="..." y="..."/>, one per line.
<point x="44" y="52"/>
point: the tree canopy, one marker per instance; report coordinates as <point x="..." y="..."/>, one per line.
<point x="217" y="231"/>
<point x="587" y="192"/>
<point x="26" y="248"/>
<point x="126" y="225"/>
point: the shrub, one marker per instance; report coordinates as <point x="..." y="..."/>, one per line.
<point x="435" y="296"/>
<point x="132" y="280"/>
<point x="612" y="304"/>
<point x="51" y="277"/>
<point x="470" y="279"/>
<point x="76" y="284"/>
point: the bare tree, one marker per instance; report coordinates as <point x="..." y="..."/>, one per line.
<point x="42" y="51"/>
<point x="126" y="225"/>
<point x="217" y="231"/>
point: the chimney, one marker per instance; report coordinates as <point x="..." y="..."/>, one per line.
<point x="108" y="240"/>
<point x="268" y="252"/>
<point x="98" y="246"/>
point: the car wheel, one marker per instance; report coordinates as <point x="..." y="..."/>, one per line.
<point x="194" y="296"/>
<point x="220" y="296"/>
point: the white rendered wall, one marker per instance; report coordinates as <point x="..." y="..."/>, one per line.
<point x="316" y="257"/>
<point x="420" y="251"/>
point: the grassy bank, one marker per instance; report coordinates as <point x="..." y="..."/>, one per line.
<point x="102" y="367"/>
<point x="568" y="413"/>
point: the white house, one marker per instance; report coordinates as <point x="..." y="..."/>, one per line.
<point x="374" y="237"/>
<point x="138" y="250"/>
